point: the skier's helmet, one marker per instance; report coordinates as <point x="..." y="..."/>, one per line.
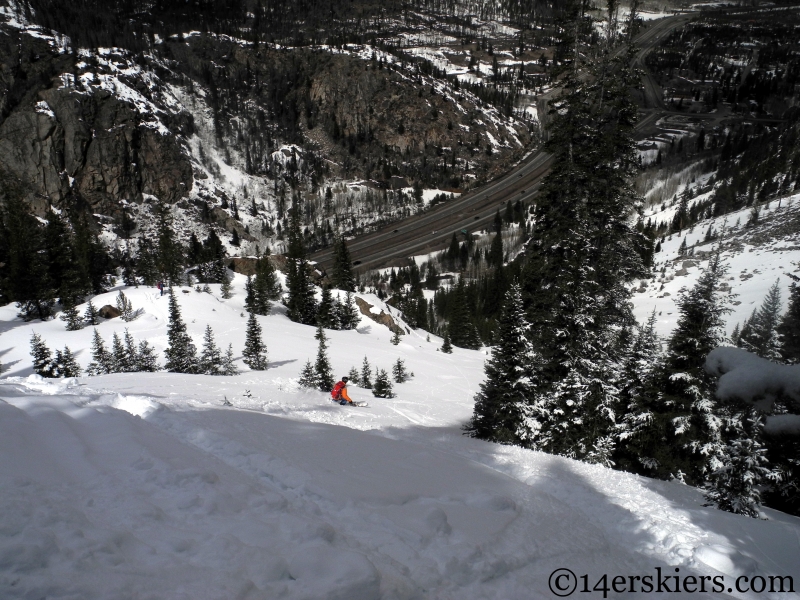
<point x="345" y="379"/>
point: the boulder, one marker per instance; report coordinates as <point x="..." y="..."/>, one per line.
<point x="109" y="312"/>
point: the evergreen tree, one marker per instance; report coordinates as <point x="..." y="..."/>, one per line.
<point x="102" y="360"/>
<point x="171" y="255"/>
<point x="327" y="315"/>
<point x="365" y="380"/>
<point x="226" y="291"/>
<point x="637" y="390"/>
<point x="125" y="307"/>
<point x="349" y="316"/>
<point x="26" y="279"/>
<point x="353" y="376"/>
<point x="735" y="486"/>
<point x="461" y="329"/>
<point x="789" y="328"/>
<point x="72" y="317"/>
<point x="396" y="336"/>
<point x="342" y="277"/>
<point x="42" y="357"/>
<point x="447" y="347"/>
<point x="255" y="351"/>
<point x="501" y="404"/>
<point x="181" y="352"/>
<point x="686" y="432"/>
<point x="119" y="357"/>
<point x="147" y="262"/>
<point x="65" y="365"/>
<point x="228" y="366"/>
<point x="249" y="295"/>
<point x="383" y="386"/>
<point x="146" y="360"/>
<point x="584" y="252"/>
<point x="300" y="300"/>
<point x="399" y="373"/>
<point x="210" y="356"/>
<point x="495" y="256"/>
<point x="90" y="315"/>
<point x="761" y="336"/>
<point x="264" y="287"/>
<point x="308" y="376"/>
<point x="322" y="367"/>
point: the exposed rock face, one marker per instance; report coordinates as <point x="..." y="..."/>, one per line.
<point x="382" y="318"/>
<point x="70" y="142"/>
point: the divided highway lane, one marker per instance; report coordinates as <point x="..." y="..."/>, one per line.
<point x="431" y="231"/>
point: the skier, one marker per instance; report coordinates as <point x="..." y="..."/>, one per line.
<point x="160" y="287"/>
<point x="339" y="392"/>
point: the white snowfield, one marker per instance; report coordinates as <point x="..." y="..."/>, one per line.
<point x="144" y="486"/>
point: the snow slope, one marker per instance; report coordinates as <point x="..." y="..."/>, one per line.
<point x="756" y="257"/>
<point x="146" y="486"/>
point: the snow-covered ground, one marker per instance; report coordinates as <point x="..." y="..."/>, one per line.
<point x="146" y="486"/>
<point x="756" y="257"/>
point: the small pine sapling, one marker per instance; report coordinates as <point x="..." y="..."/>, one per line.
<point x="125" y="307"/>
<point x="65" y="365"/>
<point x="146" y="360"/>
<point x="447" y="347"/>
<point x="90" y="315"/>
<point x="365" y="380"/>
<point x="396" y="336"/>
<point x="322" y="367"/>
<point x="308" y="376"/>
<point x="255" y="351"/>
<point x="228" y="366"/>
<point x="399" y="372"/>
<point x="210" y="357"/>
<point x="72" y="317"/>
<point x="226" y="290"/>
<point x="383" y="386"/>
<point x="102" y="361"/>
<point x="42" y="357"/>
<point x="353" y="376"/>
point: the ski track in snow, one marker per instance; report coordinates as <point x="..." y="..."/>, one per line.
<point x="146" y="486"/>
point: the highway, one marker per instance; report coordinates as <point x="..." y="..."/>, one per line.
<point x="432" y="230"/>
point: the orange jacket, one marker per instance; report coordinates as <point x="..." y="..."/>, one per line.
<point x="339" y="392"/>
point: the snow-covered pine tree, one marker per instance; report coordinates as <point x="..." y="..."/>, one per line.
<point x="181" y="352"/>
<point x="90" y="315"/>
<point x="461" y="328"/>
<point x="125" y="307"/>
<point x="399" y="373"/>
<point x="146" y="360"/>
<point x="365" y="380"/>
<point x="300" y="299"/>
<point x="326" y="314"/>
<point x="102" y="361"/>
<point x="447" y="347"/>
<point x="395" y="336"/>
<point x="118" y="356"/>
<point x="349" y="316"/>
<point x="42" y="357"/>
<point x="249" y="295"/>
<point x="228" y="366"/>
<point x="65" y="365"/>
<point x="308" y="376"/>
<point x="255" y="351"/>
<point x="687" y="431"/>
<point x="322" y="367"/>
<point x="226" y="290"/>
<point x="71" y="316"/>
<point x="638" y="392"/>
<point x="210" y="356"/>
<point x="383" y="386"/>
<point x="584" y="250"/>
<point x="762" y="336"/>
<point x="131" y="353"/>
<point x="265" y="286"/>
<point x="789" y="328"/>
<point x="735" y="486"/>
<point x="342" y="277"/>
<point x="735" y="336"/>
<point x="353" y="376"/>
<point x="501" y="405"/>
